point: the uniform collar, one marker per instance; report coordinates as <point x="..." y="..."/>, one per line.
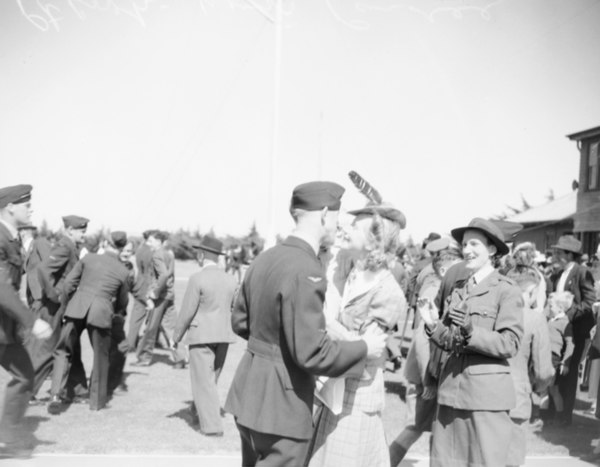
<point x="14" y="233"/>
<point x="485" y="271"/>
<point x="298" y="242"/>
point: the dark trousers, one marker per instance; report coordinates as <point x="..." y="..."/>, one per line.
<point x="136" y="319"/>
<point x="42" y="350"/>
<point x="206" y="363"/>
<point x="16" y="361"/>
<point x="69" y="340"/>
<point x="117" y="353"/>
<point x="148" y="340"/>
<point x="568" y="384"/>
<point x="263" y="449"/>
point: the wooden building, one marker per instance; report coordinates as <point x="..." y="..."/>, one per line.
<point x="587" y="218"/>
<point x="543" y="224"/>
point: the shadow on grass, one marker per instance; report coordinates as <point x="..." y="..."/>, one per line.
<point x="187" y="414"/>
<point x="576" y="438"/>
<point x="30" y="425"/>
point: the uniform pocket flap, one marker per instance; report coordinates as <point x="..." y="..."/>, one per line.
<point x="488" y="368"/>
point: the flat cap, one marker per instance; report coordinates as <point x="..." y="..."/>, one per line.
<point x="118" y="238"/>
<point x="75" y="222"/>
<point x="314" y="196"/>
<point x="209" y="243"/>
<point x="14" y="194"/>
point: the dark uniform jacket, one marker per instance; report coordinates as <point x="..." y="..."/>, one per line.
<point x="476" y="376"/>
<point x="39" y="251"/>
<point x="580" y="283"/>
<point x="279" y="310"/>
<point x="100" y="286"/>
<point x="163" y="268"/>
<point x="206" y="308"/>
<point x="15" y="318"/>
<point x="53" y="271"/>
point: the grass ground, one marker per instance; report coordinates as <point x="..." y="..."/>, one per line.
<point x="153" y="416"/>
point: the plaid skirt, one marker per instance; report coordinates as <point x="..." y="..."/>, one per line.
<point x="353" y="438"/>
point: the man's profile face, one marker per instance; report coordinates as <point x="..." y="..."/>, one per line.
<point x="22" y="213"/>
<point x="330" y="226"/>
<point x="77" y="235"/>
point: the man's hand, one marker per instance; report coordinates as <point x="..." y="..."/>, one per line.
<point x="149" y="304"/>
<point x="564" y="369"/>
<point x="429" y="392"/>
<point x="428" y="311"/>
<point x="461" y="318"/>
<point x="41" y="329"/>
<point x="376" y="341"/>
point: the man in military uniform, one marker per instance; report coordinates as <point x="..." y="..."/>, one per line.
<point x="279" y="310"/>
<point x="49" y="305"/>
<point x="97" y="287"/>
<point x="16" y="321"/>
<point x="36" y="249"/>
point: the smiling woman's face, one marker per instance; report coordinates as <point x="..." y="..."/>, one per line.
<point x="476" y="250"/>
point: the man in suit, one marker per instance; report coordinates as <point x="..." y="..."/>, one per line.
<point x="16" y="321"/>
<point x="206" y="316"/>
<point x="97" y="287"/>
<point x="279" y="310"/>
<point x="578" y="280"/>
<point x="36" y="249"/>
<point x="49" y="305"/>
<point x="160" y="295"/>
<point x="143" y="279"/>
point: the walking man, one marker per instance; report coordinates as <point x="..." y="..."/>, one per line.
<point x="16" y="321"/>
<point x="279" y="310"/>
<point x="206" y="316"/>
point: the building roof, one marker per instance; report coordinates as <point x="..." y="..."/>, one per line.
<point x="560" y="208"/>
<point x="581" y="135"/>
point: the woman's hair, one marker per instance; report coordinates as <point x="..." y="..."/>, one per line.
<point x="524" y="276"/>
<point x="383" y="239"/>
<point x="524" y="254"/>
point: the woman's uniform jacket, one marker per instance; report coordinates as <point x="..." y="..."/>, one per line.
<point x="476" y="375"/>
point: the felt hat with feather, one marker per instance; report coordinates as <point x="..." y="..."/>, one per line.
<point x="375" y="202"/>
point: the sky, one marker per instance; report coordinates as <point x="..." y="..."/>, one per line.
<point x="182" y="114"/>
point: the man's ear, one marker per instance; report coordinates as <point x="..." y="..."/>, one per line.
<point x="324" y="212"/>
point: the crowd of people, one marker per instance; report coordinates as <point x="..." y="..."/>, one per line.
<point x="500" y="331"/>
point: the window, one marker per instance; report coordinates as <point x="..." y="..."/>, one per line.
<point x="594" y="167"/>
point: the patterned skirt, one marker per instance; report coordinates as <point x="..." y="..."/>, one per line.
<point x="354" y="438"/>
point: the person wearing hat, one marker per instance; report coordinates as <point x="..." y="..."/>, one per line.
<point x="205" y="315"/>
<point x="480" y="330"/>
<point x="49" y="305"/>
<point x="353" y="433"/>
<point x="96" y="289"/>
<point x="279" y="310"/>
<point x="577" y="279"/>
<point x="16" y="321"/>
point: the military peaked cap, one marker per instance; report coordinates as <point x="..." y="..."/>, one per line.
<point x="14" y="194"/>
<point x="118" y="238"/>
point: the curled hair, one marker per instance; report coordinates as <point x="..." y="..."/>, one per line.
<point x="524" y="254"/>
<point x="383" y="240"/>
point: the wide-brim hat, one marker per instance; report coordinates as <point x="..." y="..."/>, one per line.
<point x="491" y="230"/>
<point x="568" y="243"/>
<point x="385" y="210"/>
<point x="211" y="244"/>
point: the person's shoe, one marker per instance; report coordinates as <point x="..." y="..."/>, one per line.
<point x="34" y="401"/>
<point x="121" y="389"/>
<point x="180" y="365"/>
<point x="55" y="405"/>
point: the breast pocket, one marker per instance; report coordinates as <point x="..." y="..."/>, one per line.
<point x="484" y="316"/>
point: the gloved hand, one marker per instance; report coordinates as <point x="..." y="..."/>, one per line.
<point x="461" y="318"/>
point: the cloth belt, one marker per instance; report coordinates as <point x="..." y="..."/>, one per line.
<point x="271" y="352"/>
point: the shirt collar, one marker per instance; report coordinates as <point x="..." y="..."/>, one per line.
<point x="485" y="271"/>
<point x="11" y="229"/>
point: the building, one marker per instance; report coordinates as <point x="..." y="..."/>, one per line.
<point x="544" y="224"/>
<point x="587" y="218"/>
